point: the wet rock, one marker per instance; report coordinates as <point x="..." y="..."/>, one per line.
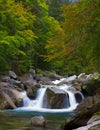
<point x="92" y="86"/>
<point x="56" y="98"/>
<point x="84" y="112"/>
<point x="38" y="121"/>
<point x="31" y="91"/>
<point x="78" y="97"/>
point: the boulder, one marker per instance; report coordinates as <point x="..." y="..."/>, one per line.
<point x="4" y="85"/>
<point x="56" y="98"/>
<point x="93" y="126"/>
<point x="4" y="78"/>
<point x="94" y="118"/>
<point x="52" y="75"/>
<point x="92" y="86"/>
<point x="44" y="80"/>
<point x="93" y="123"/>
<point x="38" y="121"/>
<point x="33" y="73"/>
<point x="79" y="97"/>
<point x="12" y="74"/>
<point x="87" y="84"/>
<point x="84" y="112"/>
<point x="10" y="98"/>
<point x="28" y="80"/>
<point x="68" y="80"/>
<point x="31" y="91"/>
<point x="30" y="85"/>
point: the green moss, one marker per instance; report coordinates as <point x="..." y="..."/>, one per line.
<point x="97" y="113"/>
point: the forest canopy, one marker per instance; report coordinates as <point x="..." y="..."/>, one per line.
<point x="60" y="35"/>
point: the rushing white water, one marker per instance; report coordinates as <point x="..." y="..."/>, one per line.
<point x="72" y="99"/>
<point x="36" y="105"/>
<point x="58" y="81"/>
<point x="39" y="99"/>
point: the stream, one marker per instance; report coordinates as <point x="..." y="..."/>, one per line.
<point x="21" y="120"/>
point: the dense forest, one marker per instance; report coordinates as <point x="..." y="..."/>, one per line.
<point x="54" y="35"/>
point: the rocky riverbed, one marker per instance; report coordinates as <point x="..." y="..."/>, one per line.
<point x="11" y="85"/>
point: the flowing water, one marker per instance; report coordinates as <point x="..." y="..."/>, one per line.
<point x="37" y="104"/>
<point x="20" y="118"/>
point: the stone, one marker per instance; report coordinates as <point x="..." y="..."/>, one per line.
<point x="94" y="118"/>
<point x="38" y="121"/>
<point x="4" y="78"/>
<point x="32" y="72"/>
<point x="55" y="98"/>
<point x="84" y="111"/>
<point x="10" y="98"/>
<point x="93" y="126"/>
<point x="12" y="74"/>
<point x="44" y="80"/>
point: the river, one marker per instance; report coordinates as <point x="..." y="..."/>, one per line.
<point x="21" y="120"/>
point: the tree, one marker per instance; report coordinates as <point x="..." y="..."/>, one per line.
<point x="81" y="37"/>
<point x="16" y="34"/>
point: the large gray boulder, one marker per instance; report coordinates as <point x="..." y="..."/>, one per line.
<point x="56" y="98"/>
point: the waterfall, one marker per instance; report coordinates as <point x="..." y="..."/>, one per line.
<point x="40" y="96"/>
<point x="37" y="104"/>
<point x="26" y="101"/>
<point x="72" y="99"/>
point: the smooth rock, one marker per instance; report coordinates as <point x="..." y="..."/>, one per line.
<point x="12" y="74"/>
<point x="39" y="121"/>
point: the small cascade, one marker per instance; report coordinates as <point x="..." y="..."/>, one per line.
<point x="72" y="99"/>
<point x="40" y="96"/>
<point x="37" y="104"/>
<point x="71" y="95"/>
<point x="26" y="101"/>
